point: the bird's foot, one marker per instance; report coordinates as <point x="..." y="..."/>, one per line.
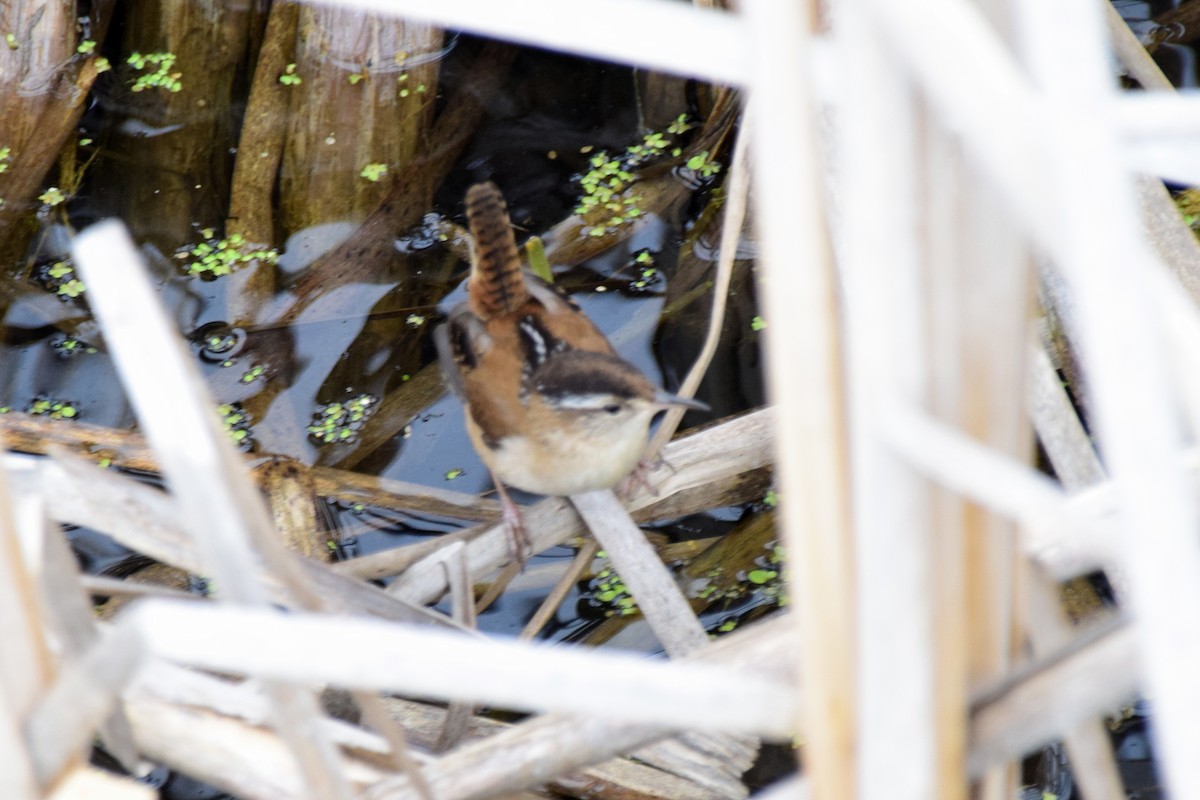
<point x="519" y="542"/>
<point x="640" y="477"/>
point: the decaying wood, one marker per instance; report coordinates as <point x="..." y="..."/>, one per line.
<point x="364" y="256"/>
<point x="615" y="779"/>
<point x="73" y="626"/>
<point x="658" y="596"/>
<point x="44" y="85"/>
<point x="339" y="124"/>
<point x="26" y="663"/>
<point x="735" y="204"/>
<point x="1088" y="744"/>
<point x="379" y="656"/>
<point x="260" y="144"/>
<point x="128" y="450"/>
<point x="179" y="179"/>
<point x="146" y="520"/>
<point x="569" y="242"/>
<point x="291" y="492"/>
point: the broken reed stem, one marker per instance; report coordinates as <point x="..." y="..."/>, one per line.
<point x="650" y="582"/>
<point x="737" y="195"/>
<point x="229" y="524"/>
<point x="545" y="612"/>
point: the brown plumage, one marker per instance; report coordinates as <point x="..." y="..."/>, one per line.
<point x="550" y="408"/>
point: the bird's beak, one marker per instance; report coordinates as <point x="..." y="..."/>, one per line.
<point x="666" y="400"/>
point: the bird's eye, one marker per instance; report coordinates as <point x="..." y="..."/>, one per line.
<point x="613" y="408"/>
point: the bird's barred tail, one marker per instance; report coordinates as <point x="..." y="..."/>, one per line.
<point x="497" y="285"/>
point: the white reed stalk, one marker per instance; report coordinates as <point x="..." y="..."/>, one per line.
<point x="804" y="354"/>
<point x="874" y="169"/>
<point x="650" y="583"/>
<point x="994" y="480"/>
<point x="219" y="502"/>
<point x="25" y="660"/>
<point x="655" y="34"/>
<point x="1120" y="335"/>
<point x="364" y="654"/>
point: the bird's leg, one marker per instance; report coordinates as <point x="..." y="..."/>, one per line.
<point x="641" y="477"/>
<point x="514" y="524"/>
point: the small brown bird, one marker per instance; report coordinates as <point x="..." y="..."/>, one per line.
<point x="550" y="407"/>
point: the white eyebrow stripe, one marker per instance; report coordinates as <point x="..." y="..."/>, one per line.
<point x="588" y="401"/>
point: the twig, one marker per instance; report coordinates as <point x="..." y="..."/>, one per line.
<point x="650" y="582"/>
<point x="734" y="214"/>
<point x="583" y="557"/>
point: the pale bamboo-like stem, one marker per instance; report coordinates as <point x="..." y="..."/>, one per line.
<point x="364" y="654"/>
<point x="587" y="551"/>
<point x="804" y="356"/>
<point x="1130" y="391"/>
<point x="1084" y="680"/>
<point x="1058" y="427"/>
<point x="1088" y="744"/>
<point x="704" y="43"/>
<point x="89" y="783"/>
<point x="1131" y="53"/>
<point x="897" y="713"/>
<point x="959" y="462"/>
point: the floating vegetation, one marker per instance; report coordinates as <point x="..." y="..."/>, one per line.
<point x="156" y="72"/>
<point x="68" y="346"/>
<point x="767" y="577"/>
<point x="373" y="172"/>
<point x="237" y="424"/>
<point x="52" y="196"/>
<point x="46" y="406"/>
<point x="215" y="257"/>
<point x="646" y="272"/>
<point x="219" y="343"/>
<point x="606" y="595"/>
<point x="606" y="196"/>
<point x="289" y="76"/>
<point x="58" y="277"/>
<point x="704" y="166"/>
<point x="341" y="421"/>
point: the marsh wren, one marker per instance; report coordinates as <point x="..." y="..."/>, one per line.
<point x="550" y="407"/>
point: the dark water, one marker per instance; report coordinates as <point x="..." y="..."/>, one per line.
<point x="548" y="104"/>
<point x="550" y="116"/>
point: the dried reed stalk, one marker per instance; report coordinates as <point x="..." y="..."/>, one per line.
<point x="805" y="381"/>
<point x="225" y="518"/>
<point x="705" y="44"/>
